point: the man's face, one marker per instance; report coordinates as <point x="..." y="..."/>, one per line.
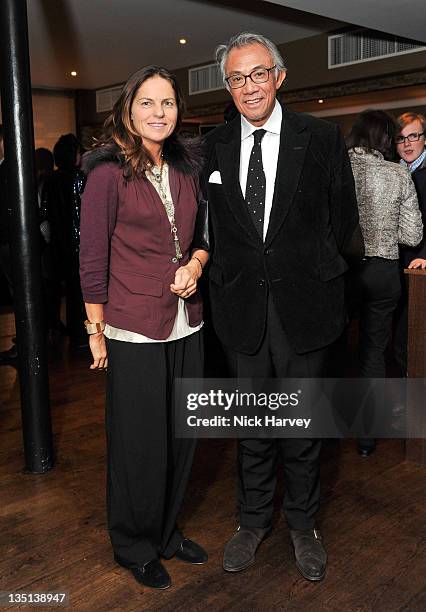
<point x="410" y="151"/>
<point x="255" y="101"/>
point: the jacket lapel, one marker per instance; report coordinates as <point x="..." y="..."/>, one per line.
<point x="228" y="159"/>
<point x="294" y="142"/>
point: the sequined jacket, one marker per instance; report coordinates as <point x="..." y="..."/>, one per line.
<point x="389" y="212"/>
<point x="61" y="203"/>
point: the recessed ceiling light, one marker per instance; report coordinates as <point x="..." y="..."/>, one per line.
<point x="182" y="41"/>
<point x="73" y="73"/>
<point x="320" y="101"/>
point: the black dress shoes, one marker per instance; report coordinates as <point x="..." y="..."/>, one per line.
<point x="366" y="447"/>
<point x="310" y="554"/>
<point x="241" y="549"/>
<point x="191" y="552"/>
<point x="152" y="574"/>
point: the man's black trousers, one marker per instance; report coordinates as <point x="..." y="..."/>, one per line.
<point x="257" y="458"/>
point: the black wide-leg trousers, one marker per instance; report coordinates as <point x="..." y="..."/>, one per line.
<point x="375" y="288"/>
<point x="148" y="468"/>
<point x="257" y="458"/>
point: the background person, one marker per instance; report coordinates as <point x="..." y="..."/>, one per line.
<point x="11" y="354"/>
<point x="61" y="199"/>
<point x="44" y="165"/>
<point x="139" y="274"/>
<point x="389" y="215"/>
<point x="410" y="145"/>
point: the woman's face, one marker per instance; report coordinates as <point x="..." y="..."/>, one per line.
<point x="154" y="111"/>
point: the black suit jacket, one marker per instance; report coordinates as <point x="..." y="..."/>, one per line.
<point x="314" y="215"/>
<point x="407" y="254"/>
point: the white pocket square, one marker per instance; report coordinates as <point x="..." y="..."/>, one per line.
<point x="215" y="178"/>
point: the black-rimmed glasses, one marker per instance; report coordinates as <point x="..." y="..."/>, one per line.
<point x="259" y="75"/>
<point x="414" y="137"/>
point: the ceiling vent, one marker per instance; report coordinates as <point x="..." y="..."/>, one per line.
<point x="106" y="98"/>
<point x="365" y="45"/>
<point x="204" y="79"/>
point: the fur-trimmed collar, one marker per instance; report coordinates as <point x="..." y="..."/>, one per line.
<point x="186" y="155"/>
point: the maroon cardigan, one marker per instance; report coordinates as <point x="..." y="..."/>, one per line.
<point x="127" y="256"/>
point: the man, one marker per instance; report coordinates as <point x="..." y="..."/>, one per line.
<point x="282" y="204"/>
<point x="410" y="144"/>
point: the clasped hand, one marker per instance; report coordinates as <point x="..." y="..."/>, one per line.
<point x="185" y="285"/>
<point x="186" y="278"/>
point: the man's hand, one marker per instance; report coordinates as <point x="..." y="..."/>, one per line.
<point x="99" y="353"/>
<point x="186" y="278"/>
<point x="417" y="263"/>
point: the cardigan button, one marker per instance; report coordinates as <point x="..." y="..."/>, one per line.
<point x="174" y="259"/>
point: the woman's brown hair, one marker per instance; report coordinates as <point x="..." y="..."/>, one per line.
<point x="373" y="130"/>
<point x="119" y="130"/>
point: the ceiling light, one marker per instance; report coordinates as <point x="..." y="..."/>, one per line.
<point x="182" y="41"/>
<point x="320" y="101"/>
<point x="73" y="73"/>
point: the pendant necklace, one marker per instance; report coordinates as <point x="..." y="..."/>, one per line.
<point x="157" y="174"/>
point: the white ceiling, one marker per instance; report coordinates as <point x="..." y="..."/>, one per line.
<point x="406" y="18"/>
<point x="106" y="40"/>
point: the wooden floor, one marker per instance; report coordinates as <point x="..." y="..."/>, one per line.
<point x="53" y="536"/>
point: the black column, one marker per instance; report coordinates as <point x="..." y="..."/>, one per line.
<point x="24" y="235"/>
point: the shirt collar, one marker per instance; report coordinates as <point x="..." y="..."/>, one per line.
<point x="272" y="125"/>
<point x="415" y="164"/>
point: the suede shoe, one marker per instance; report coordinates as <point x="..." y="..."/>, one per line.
<point x="152" y="574"/>
<point x="366" y="447"/>
<point x="241" y="549"/>
<point x="191" y="552"/>
<point x="310" y="554"/>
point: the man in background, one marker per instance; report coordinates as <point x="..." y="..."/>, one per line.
<point x="410" y="145"/>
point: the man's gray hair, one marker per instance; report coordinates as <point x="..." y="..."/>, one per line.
<point x="242" y="40"/>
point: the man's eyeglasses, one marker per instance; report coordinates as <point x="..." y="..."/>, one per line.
<point x="260" y="75"/>
<point x="414" y="137"/>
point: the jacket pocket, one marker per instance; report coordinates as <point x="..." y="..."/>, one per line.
<point x="141" y="284"/>
<point x="333" y="268"/>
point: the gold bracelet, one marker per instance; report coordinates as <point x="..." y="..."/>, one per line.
<point x="94" y="327"/>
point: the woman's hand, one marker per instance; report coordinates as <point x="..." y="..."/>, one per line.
<point x="417" y="263"/>
<point x="186" y="278"/>
<point x="99" y="353"/>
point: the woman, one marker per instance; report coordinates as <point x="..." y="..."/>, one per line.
<point x="389" y="215"/>
<point x="61" y="198"/>
<point x="139" y="270"/>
